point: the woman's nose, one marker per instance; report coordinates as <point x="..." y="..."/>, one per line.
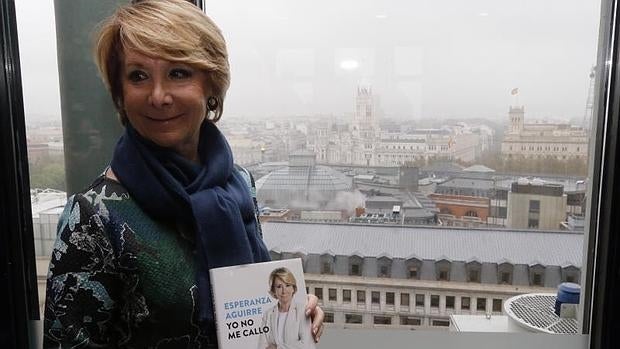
<point x="160" y="95"/>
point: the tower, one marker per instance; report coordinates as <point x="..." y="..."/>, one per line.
<point x="364" y="119"/>
<point x="515" y="118"/>
<point x="365" y="127"/>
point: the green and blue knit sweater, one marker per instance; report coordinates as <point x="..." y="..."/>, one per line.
<point x="121" y="279"/>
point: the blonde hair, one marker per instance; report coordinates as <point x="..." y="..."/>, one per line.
<point x="174" y="30"/>
<point x="283" y="274"/>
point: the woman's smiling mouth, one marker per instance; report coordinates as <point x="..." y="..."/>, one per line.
<point x="164" y="119"/>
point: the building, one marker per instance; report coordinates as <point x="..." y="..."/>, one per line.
<point x="378" y="276"/>
<point x="46" y="205"/>
<point x="542" y="140"/>
<point x="466" y="186"/>
<point x="364" y="128"/>
<point x="464" y="211"/>
<point x="534" y="204"/>
<point x="364" y="143"/>
<point x="302" y="184"/>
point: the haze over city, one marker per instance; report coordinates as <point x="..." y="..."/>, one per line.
<point x="396" y="148"/>
<point x="424" y="59"/>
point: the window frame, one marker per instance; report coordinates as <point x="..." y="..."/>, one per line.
<point x="346" y="299"/>
<point x="375" y="296"/>
<point x="19" y="302"/>
<point x="361" y="300"/>
<point x="599" y="282"/>
<point x="332" y="294"/>
<point x="404" y="296"/>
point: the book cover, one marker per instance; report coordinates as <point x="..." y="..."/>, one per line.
<point x="261" y="305"/>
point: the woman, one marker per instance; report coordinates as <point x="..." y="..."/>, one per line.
<point x="288" y="328"/>
<point x="131" y="261"/>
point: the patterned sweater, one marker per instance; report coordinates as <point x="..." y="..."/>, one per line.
<point x="120" y="279"/>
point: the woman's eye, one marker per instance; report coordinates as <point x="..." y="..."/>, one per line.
<point x="180" y="73"/>
<point x="137" y="76"/>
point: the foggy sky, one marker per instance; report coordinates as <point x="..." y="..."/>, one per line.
<point x="424" y="58"/>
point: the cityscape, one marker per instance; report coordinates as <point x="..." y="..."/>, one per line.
<point x="398" y="224"/>
<point x="427" y="161"/>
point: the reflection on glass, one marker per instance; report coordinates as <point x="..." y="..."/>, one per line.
<point x="412" y="140"/>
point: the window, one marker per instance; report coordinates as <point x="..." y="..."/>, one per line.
<point x="537" y="279"/>
<point x="353" y="318"/>
<point x="473" y="276"/>
<point x="497" y="305"/>
<point x="465" y="303"/>
<point x="481" y="304"/>
<point x="537" y="275"/>
<point x="318" y="292"/>
<point x="571" y="274"/>
<point x="332" y="294"/>
<point x="326" y="268"/>
<point x="329" y="318"/>
<point x="389" y="298"/>
<point x="449" y="302"/>
<point x="419" y="300"/>
<point x="410" y="321"/>
<point x="434" y="301"/>
<point x="346" y="296"/>
<point x="375" y="297"/>
<point x="355" y="268"/>
<point x="382" y="320"/>
<point x="361" y="297"/>
<point x="442" y="269"/>
<point x="504" y="277"/>
<point x="385" y="264"/>
<point x="440" y="323"/>
<point x="404" y="299"/>
<point x="413" y="272"/>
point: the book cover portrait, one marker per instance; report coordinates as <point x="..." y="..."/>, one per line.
<point x="261" y="306"/>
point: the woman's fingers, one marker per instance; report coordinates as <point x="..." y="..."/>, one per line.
<point x="317" y="315"/>
<point x="311" y="304"/>
<point x="317" y="323"/>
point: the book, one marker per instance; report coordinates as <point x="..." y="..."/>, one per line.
<point x="262" y="306"/>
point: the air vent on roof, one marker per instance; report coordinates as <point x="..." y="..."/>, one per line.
<point x="535" y="312"/>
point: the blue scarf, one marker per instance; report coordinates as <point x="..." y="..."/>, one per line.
<point x="212" y="197"/>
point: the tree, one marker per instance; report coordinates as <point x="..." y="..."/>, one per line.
<point x="48" y="172"/>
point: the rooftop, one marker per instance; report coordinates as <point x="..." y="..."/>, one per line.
<point x="468" y="183"/>
<point x="431" y="243"/>
<point x="47" y="201"/>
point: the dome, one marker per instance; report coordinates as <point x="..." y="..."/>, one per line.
<point x="296" y="186"/>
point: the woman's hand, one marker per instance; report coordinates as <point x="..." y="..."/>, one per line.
<point x="317" y="315"/>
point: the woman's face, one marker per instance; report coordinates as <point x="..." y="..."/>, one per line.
<point x="284" y="292"/>
<point x="165" y="101"/>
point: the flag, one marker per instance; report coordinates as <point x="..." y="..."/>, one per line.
<point x="515" y="91"/>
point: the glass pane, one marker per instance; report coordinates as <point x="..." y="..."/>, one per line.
<point x="397" y="127"/>
<point x="37" y="44"/>
<point x="444" y="127"/>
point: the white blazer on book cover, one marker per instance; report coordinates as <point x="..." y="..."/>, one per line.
<point x="296" y="329"/>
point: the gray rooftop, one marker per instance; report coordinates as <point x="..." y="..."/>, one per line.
<point x="468" y="183"/>
<point x="478" y="168"/>
<point x="491" y="246"/>
<point x="443" y="167"/>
